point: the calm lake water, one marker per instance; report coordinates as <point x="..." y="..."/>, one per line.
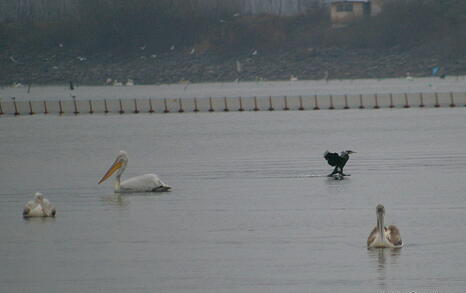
<point x="250" y="210"/>
<point x="245" y="89"/>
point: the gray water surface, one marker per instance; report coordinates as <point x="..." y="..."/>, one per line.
<point x="244" y="89"/>
<point x="250" y="211"/>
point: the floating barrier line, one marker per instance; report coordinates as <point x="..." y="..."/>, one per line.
<point x="226" y="104"/>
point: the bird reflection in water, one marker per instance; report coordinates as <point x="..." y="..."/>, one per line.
<point x="116" y="199"/>
<point x="382" y="259"/>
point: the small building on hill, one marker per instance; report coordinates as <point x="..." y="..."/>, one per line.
<point x="346" y="11"/>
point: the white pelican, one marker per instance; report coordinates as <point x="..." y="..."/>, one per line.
<point x="143" y="183"/>
<point x="384" y="237"/>
<point x="39" y="207"/>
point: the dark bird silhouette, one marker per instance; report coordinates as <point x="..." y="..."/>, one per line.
<point x="338" y="161"/>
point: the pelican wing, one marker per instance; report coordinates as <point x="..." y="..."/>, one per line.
<point x="33" y="209"/>
<point x="47" y="208"/>
<point x="143" y="183"/>
<point x="372" y="237"/>
<point x="393" y="236"/>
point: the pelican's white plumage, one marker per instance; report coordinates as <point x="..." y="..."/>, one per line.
<point x="38" y="207"/>
<point x="384" y="237"/>
<point x="143" y="183"/>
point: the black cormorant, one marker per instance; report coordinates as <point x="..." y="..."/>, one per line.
<point x="338" y="161"/>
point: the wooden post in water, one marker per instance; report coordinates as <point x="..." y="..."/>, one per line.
<point x="255" y="104"/>
<point x="166" y="106"/>
<point x="45" y="108"/>
<point x="16" y="106"/>
<point x="406" y="101"/>
<point x="226" y="105"/>
<point x="136" y="111"/>
<point x="121" y="107"/>
<point x="211" y="108"/>
<point x="301" y="106"/>
<point x="285" y="103"/>
<point x="452" y="100"/>
<point x="75" y="103"/>
<point x="346" y="102"/>
<point x="361" y="105"/>
<point x="436" y="101"/>
<point x="331" y="103"/>
<point x="241" y="109"/>
<point x="180" y="103"/>
<point x="421" y="100"/>
<point x="270" y="104"/>
<point x="316" y="105"/>
<point x="30" y="108"/>
<point x="105" y="106"/>
<point x="1" y="110"/>
<point x="151" y="109"/>
<point x="376" y="101"/>
<point x="391" y="101"/>
<point x="91" y="110"/>
<point x="196" y="109"/>
<point x="60" y="107"/>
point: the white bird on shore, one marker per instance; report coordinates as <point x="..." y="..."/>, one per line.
<point x="39" y="207"/>
<point x="143" y="183"/>
<point x="117" y="83"/>
<point x="384" y="237"/>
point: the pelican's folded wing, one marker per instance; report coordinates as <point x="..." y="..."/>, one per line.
<point x="143" y="183"/>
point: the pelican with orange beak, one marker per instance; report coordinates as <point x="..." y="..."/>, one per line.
<point x="143" y="183"/>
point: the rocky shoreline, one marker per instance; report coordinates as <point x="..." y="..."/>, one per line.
<point x="59" y="65"/>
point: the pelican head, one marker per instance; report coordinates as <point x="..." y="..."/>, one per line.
<point x="38" y="197"/>
<point x="119" y="165"/>
<point x="380" y="209"/>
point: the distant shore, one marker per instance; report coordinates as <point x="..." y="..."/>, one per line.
<point x="60" y="66"/>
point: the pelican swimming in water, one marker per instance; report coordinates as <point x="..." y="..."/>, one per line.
<point x="39" y="207"/>
<point x="143" y="183"/>
<point x="384" y="237"/>
<point x="337" y="161"/>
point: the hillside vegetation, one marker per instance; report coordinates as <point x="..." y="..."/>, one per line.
<point x="409" y="35"/>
